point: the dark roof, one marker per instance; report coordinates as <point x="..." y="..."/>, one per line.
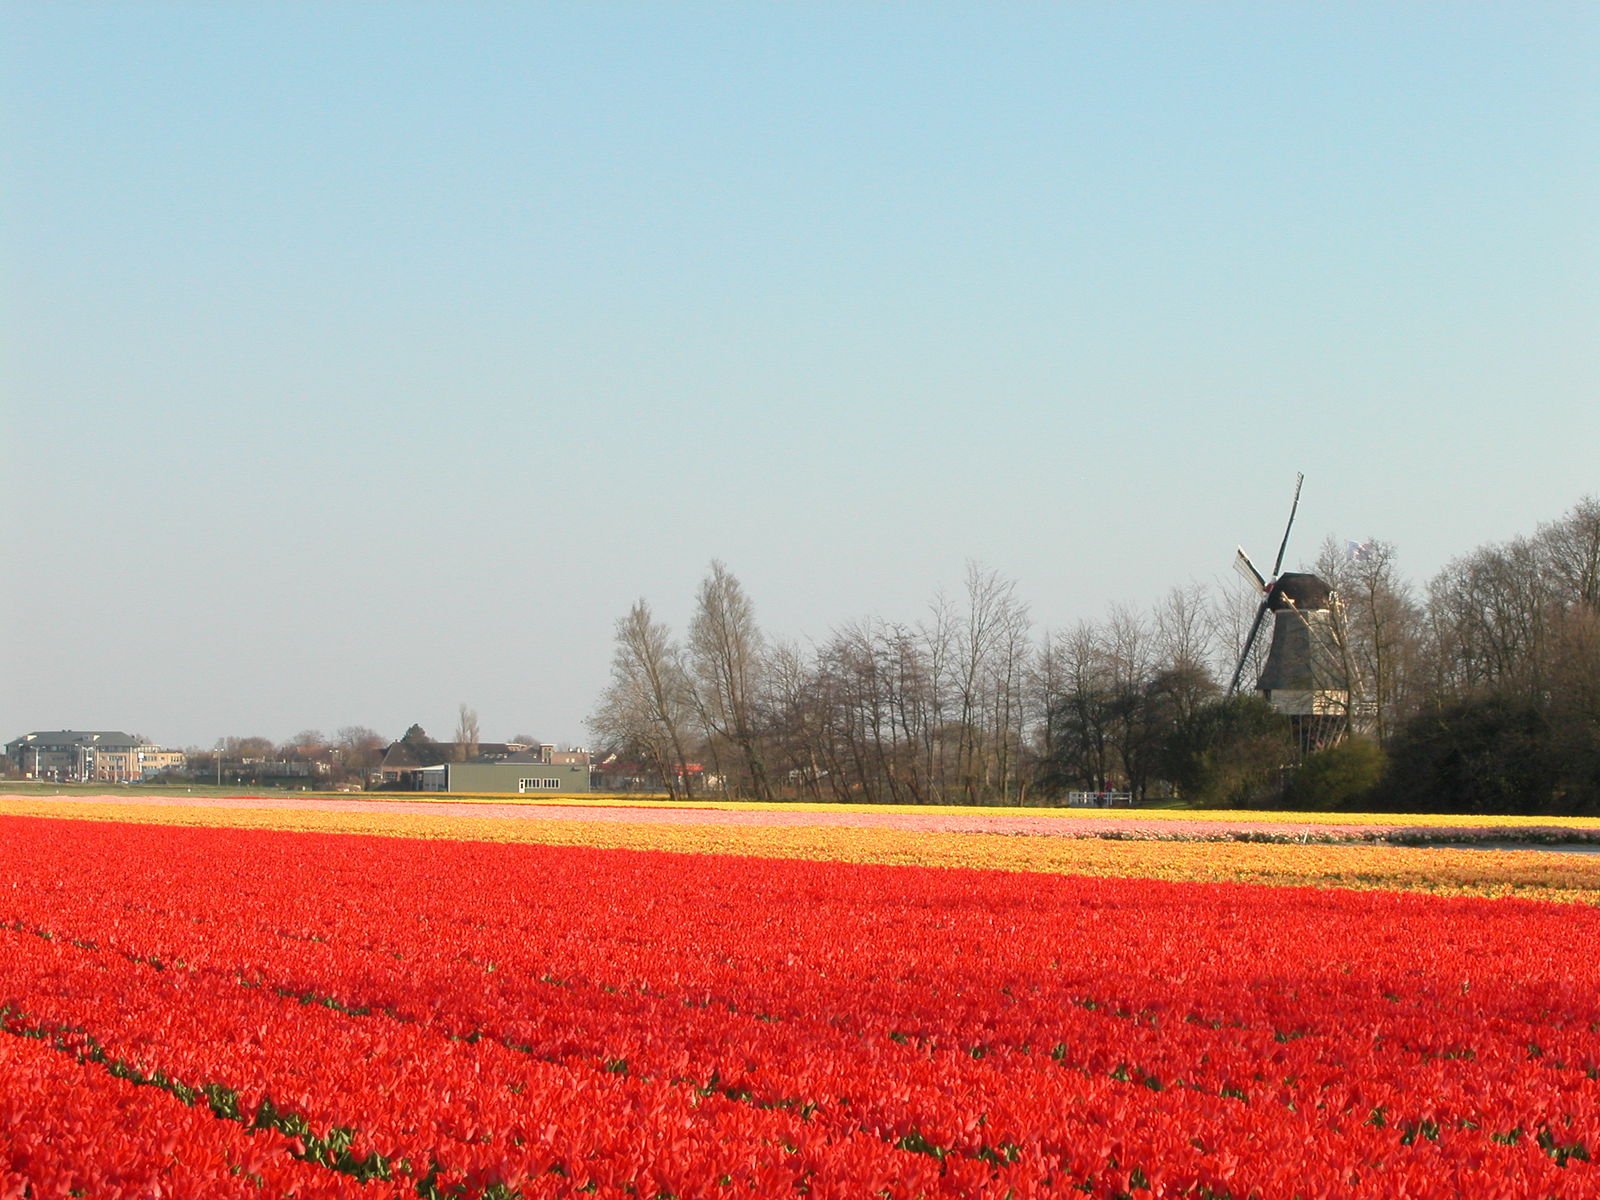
<point x="402" y="757"/>
<point x="1307" y="592"/>
<point x="411" y="756"/>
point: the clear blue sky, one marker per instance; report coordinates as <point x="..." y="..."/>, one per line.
<point x="360" y="360"/>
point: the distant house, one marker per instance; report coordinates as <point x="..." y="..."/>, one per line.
<point x="90" y="756"/>
<point x="402" y="760"/>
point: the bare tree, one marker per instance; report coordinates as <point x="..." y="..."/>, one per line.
<point x="1383" y="621"/>
<point x="1185" y="648"/>
<point x="358" y="749"/>
<point x="1185" y="629"/>
<point x="1571" y="548"/>
<point x="1129" y="655"/>
<point x="1047" y="683"/>
<point x="1013" y="652"/>
<point x="1571" y="551"/>
<point x="801" y="733"/>
<point x="247" y="749"/>
<point x="1490" y="614"/>
<point x="466" y="734"/>
<point x="912" y="681"/>
<point x="725" y="647"/>
<point x="307" y="745"/>
<point x="1183" y="684"/>
<point x="352" y="738"/>
<point x="848" y="669"/>
<point x="994" y="623"/>
<point x="937" y="642"/>
<point x="647" y="670"/>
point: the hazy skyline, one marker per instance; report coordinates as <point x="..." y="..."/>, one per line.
<point x="365" y="360"/>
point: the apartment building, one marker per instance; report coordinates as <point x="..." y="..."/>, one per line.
<point x="90" y="756"/>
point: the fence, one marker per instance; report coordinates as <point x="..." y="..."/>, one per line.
<point x="1099" y="799"/>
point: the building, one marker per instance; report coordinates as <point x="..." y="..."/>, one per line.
<point x="457" y="767"/>
<point x="90" y="756"/>
<point x="402" y="760"/>
<point x="521" y="775"/>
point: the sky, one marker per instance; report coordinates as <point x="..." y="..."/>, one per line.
<point x="358" y="361"/>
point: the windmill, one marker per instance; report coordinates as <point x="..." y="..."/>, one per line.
<point x="1306" y="676"/>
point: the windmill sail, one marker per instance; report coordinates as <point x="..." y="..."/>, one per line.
<point x="1247" y="570"/>
<point x="1249" y="641"/>
<point x="1293" y="508"/>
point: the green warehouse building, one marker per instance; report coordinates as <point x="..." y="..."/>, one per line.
<point x="526" y="778"/>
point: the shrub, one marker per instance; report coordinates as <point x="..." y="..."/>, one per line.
<point x="1341" y="777"/>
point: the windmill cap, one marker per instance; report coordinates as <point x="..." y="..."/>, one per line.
<point x="1306" y="592"/>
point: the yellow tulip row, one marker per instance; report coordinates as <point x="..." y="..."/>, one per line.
<point x="1536" y="874"/>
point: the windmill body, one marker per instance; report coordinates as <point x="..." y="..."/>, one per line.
<point x="1304" y="675"/>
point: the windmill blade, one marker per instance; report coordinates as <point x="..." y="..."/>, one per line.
<point x="1249" y="643"/>
<point x="1293" y="508"/>
<point x="1247" y="569"/>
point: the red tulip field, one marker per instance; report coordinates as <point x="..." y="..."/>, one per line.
<point x="219" y="1012"/>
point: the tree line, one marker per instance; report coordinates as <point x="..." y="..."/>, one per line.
<point x="1478" y="691"/>
<point x="345" y="757"/>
